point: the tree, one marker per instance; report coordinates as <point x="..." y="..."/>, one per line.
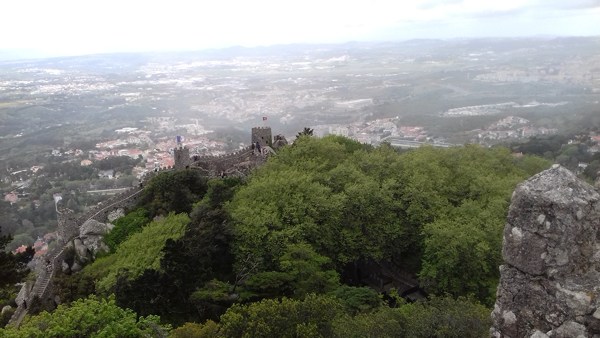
<point x="384" y="322"/>
<point x="305" y="132"/>
<point x="301" y="271"/>
<point x="174" y="191"/>
<point x="438" y="317"/>
<point x="350" y="203"/>
<point x="126" y="226"/>
<point x="446" y="317"/>
<point x="311" y="317"/>
<point x="462" y="251"/>
<point x="209" y="329"/>
<point x="141" y="251"/>
<point x="286" y="207"/>
<point x="358" y="299"/>
<point x="13" y="268"/>
<point x="90" y="317"/>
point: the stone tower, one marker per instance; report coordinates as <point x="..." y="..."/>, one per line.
<point x="262" y="135"/>
<point x="182" y="157"/>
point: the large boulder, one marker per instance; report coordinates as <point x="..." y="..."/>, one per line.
<point x="91" y="234"/>
<point x="94" y="228"/>
<point x="82" y="253"/>
<point x="279" y="141"/>
<point x="549" y="284"/>
<point x="6" y="309"/>
<point x="115" y="214"/>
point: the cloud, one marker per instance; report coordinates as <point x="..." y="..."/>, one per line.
<point x="75" y="26"/>
<point x="574" y="4"/>
<point x="561" y="4"/>
<point x="497" y="13"/>
<point x="431" y="4"/>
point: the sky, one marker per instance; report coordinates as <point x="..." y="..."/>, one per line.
<point x="77" y="27"/>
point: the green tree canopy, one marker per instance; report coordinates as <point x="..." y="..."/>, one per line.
<point x="13" y="268"/>
<point x="351" y="202"/>
<point x="141" y="251"/>
<point x="173" y="191"/>
<point x="90" y="317"/>
<point x="311" y="317"/>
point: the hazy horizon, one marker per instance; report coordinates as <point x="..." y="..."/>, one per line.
<point x="40" y="29"/>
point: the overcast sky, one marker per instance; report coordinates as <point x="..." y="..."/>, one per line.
<point x="72" y="27"/>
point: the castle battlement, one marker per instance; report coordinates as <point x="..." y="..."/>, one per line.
<point x="262" y="135"/>
<point x="239" y="162"/>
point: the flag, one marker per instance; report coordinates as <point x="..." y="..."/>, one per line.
<point x="179" y="138"/>
<point x="264" y="118"/>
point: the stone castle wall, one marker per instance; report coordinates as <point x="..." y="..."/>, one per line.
<point x="550" y="279"/>
<point x="67" y="225"/>
<point x="125" y="200"/>
<point x="238" y="163"/>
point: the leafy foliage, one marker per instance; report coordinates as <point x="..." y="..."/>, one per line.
<point x="301" y="271"/>
<point x="74" y="286"/>
<point x="350" y="202"/>
<point x="125" y="227"/>
<point x="117" y="163"/>
<point x="91" y="317"/>
<point x="13" y="268"/>
<point x="174" y="191"/>
<point x="141" y="251"/>
<point x="358" y="299"/>
<point x="188" y="263"/>
<point x="312" y="317"/>
<point x="305" y="132"/>
<point x="446" y="317"/>
<point x="263" y="257"/>
<point x="384" y="322"/>
<point x="325" y="316"/>
<point x="438" y="317"/>
<point x="209" y="329"/>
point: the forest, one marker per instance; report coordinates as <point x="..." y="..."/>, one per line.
<point x="290" y="250"/>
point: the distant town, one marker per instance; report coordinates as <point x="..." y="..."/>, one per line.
<point x="80" y="129"/>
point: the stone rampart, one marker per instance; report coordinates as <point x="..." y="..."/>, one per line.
<point x="124" y="200"/>
<point x="67" y="225"/>
<point x="238" y="163"/>
<point x="549" y="282"/>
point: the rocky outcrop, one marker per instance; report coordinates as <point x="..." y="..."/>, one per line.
<point x="550" y="280"/>
<point x="86" y="246"/>
<point x="92" y="233"/>
<point x="115" y="214"/>
<point x="279" y="142"/>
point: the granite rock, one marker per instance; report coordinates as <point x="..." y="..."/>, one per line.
<point x="551" y="250"/>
